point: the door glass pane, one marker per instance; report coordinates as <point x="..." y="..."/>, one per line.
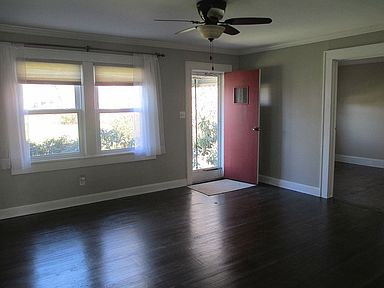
<point x="205" y="144"/>
<point x="52" y="134"/>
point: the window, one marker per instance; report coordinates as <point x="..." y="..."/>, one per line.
<point x="51" y="98"/>
<point x="87" y="108"/>
<point x="119" y="93"/>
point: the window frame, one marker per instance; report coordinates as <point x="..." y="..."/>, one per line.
<point x="98" y="140"/>
<point x="99" y="111"/>
<point x="77" y="110"/>
<point x="87" y="113"/>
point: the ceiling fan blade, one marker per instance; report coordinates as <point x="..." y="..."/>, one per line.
<point x="179" y="20"/>
<point x="186" y="30"/>
<point x="248" y="21"/>
<point x="230" y="30"/>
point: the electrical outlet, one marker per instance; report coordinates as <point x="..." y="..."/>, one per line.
<point x="82" y="180"/>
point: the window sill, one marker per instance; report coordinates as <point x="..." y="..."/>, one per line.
<point x="77" y="162"/>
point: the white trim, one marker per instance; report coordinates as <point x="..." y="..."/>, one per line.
<point x="259" y="134"/>
<point x="316" y="39"/>
<point x="82" y="161"/>
<point x="377" y="163"/>
<point x="88" y="199"/>
<point x="109" y="39"/>
<point x="331" y="59"/>
<point x="189" y="67"/>
<point x="361" y="61"/>
<point x="302" y="188"/>
<point x="202" y="175"/>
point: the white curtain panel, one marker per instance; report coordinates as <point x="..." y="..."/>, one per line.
<point x="13" y="151"/>
<point x="151" y="142"/>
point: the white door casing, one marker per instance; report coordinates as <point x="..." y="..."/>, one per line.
<point x="190" y="67"/>
<point x="331" y="58"/>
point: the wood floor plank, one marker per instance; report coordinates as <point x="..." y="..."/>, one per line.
<point x="359" y="185"/>
<point x="264" y="236"/>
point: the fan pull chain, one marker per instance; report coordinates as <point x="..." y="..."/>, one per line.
<point x="210" y="54"/>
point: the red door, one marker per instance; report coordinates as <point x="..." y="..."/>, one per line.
<point x="241" y="125"/>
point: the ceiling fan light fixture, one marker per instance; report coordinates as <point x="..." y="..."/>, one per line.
<point x="211" y="32"/>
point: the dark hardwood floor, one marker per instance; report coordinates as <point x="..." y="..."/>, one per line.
<point x="257" y="237"/>
<point x="359" y="185"/>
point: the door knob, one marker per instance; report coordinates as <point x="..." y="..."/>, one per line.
<point x="256" y="129"/>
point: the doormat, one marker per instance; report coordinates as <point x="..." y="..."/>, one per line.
<point x="219" y="186"/>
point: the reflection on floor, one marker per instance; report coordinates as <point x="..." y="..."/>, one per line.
<point x="262" y="237"/>
<point x="359" y="185"/>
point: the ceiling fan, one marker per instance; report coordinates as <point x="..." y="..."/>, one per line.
<point x="212" y="12"/>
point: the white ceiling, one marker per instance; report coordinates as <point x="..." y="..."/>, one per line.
<point x="294" y="21"/>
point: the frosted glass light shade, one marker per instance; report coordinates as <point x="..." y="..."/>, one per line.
<point x="211" y="31"/>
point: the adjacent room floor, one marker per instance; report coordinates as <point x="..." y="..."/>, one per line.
<point x="256" y="237"/>
<point x="359" y="185"/>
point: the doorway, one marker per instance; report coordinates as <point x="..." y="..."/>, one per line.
<point x="359" y="167"/>
<point x="331" y="59"/>
<point x="206" y="126"/>
<point x="204" y="112"/>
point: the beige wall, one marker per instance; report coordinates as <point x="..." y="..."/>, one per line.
<point x="291" y="107"/>
<point x="360" y="111"/>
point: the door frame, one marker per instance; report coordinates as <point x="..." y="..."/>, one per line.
<point x="331" y="59"/>
<point x="191" y="66"/>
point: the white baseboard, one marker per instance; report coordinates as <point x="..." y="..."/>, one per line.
<point x="88" y="199"/>
<point x="378" y="163"/>
<point x="311" y="190"/>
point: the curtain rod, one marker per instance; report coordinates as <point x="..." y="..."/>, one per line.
<point x="86" y="48"/>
